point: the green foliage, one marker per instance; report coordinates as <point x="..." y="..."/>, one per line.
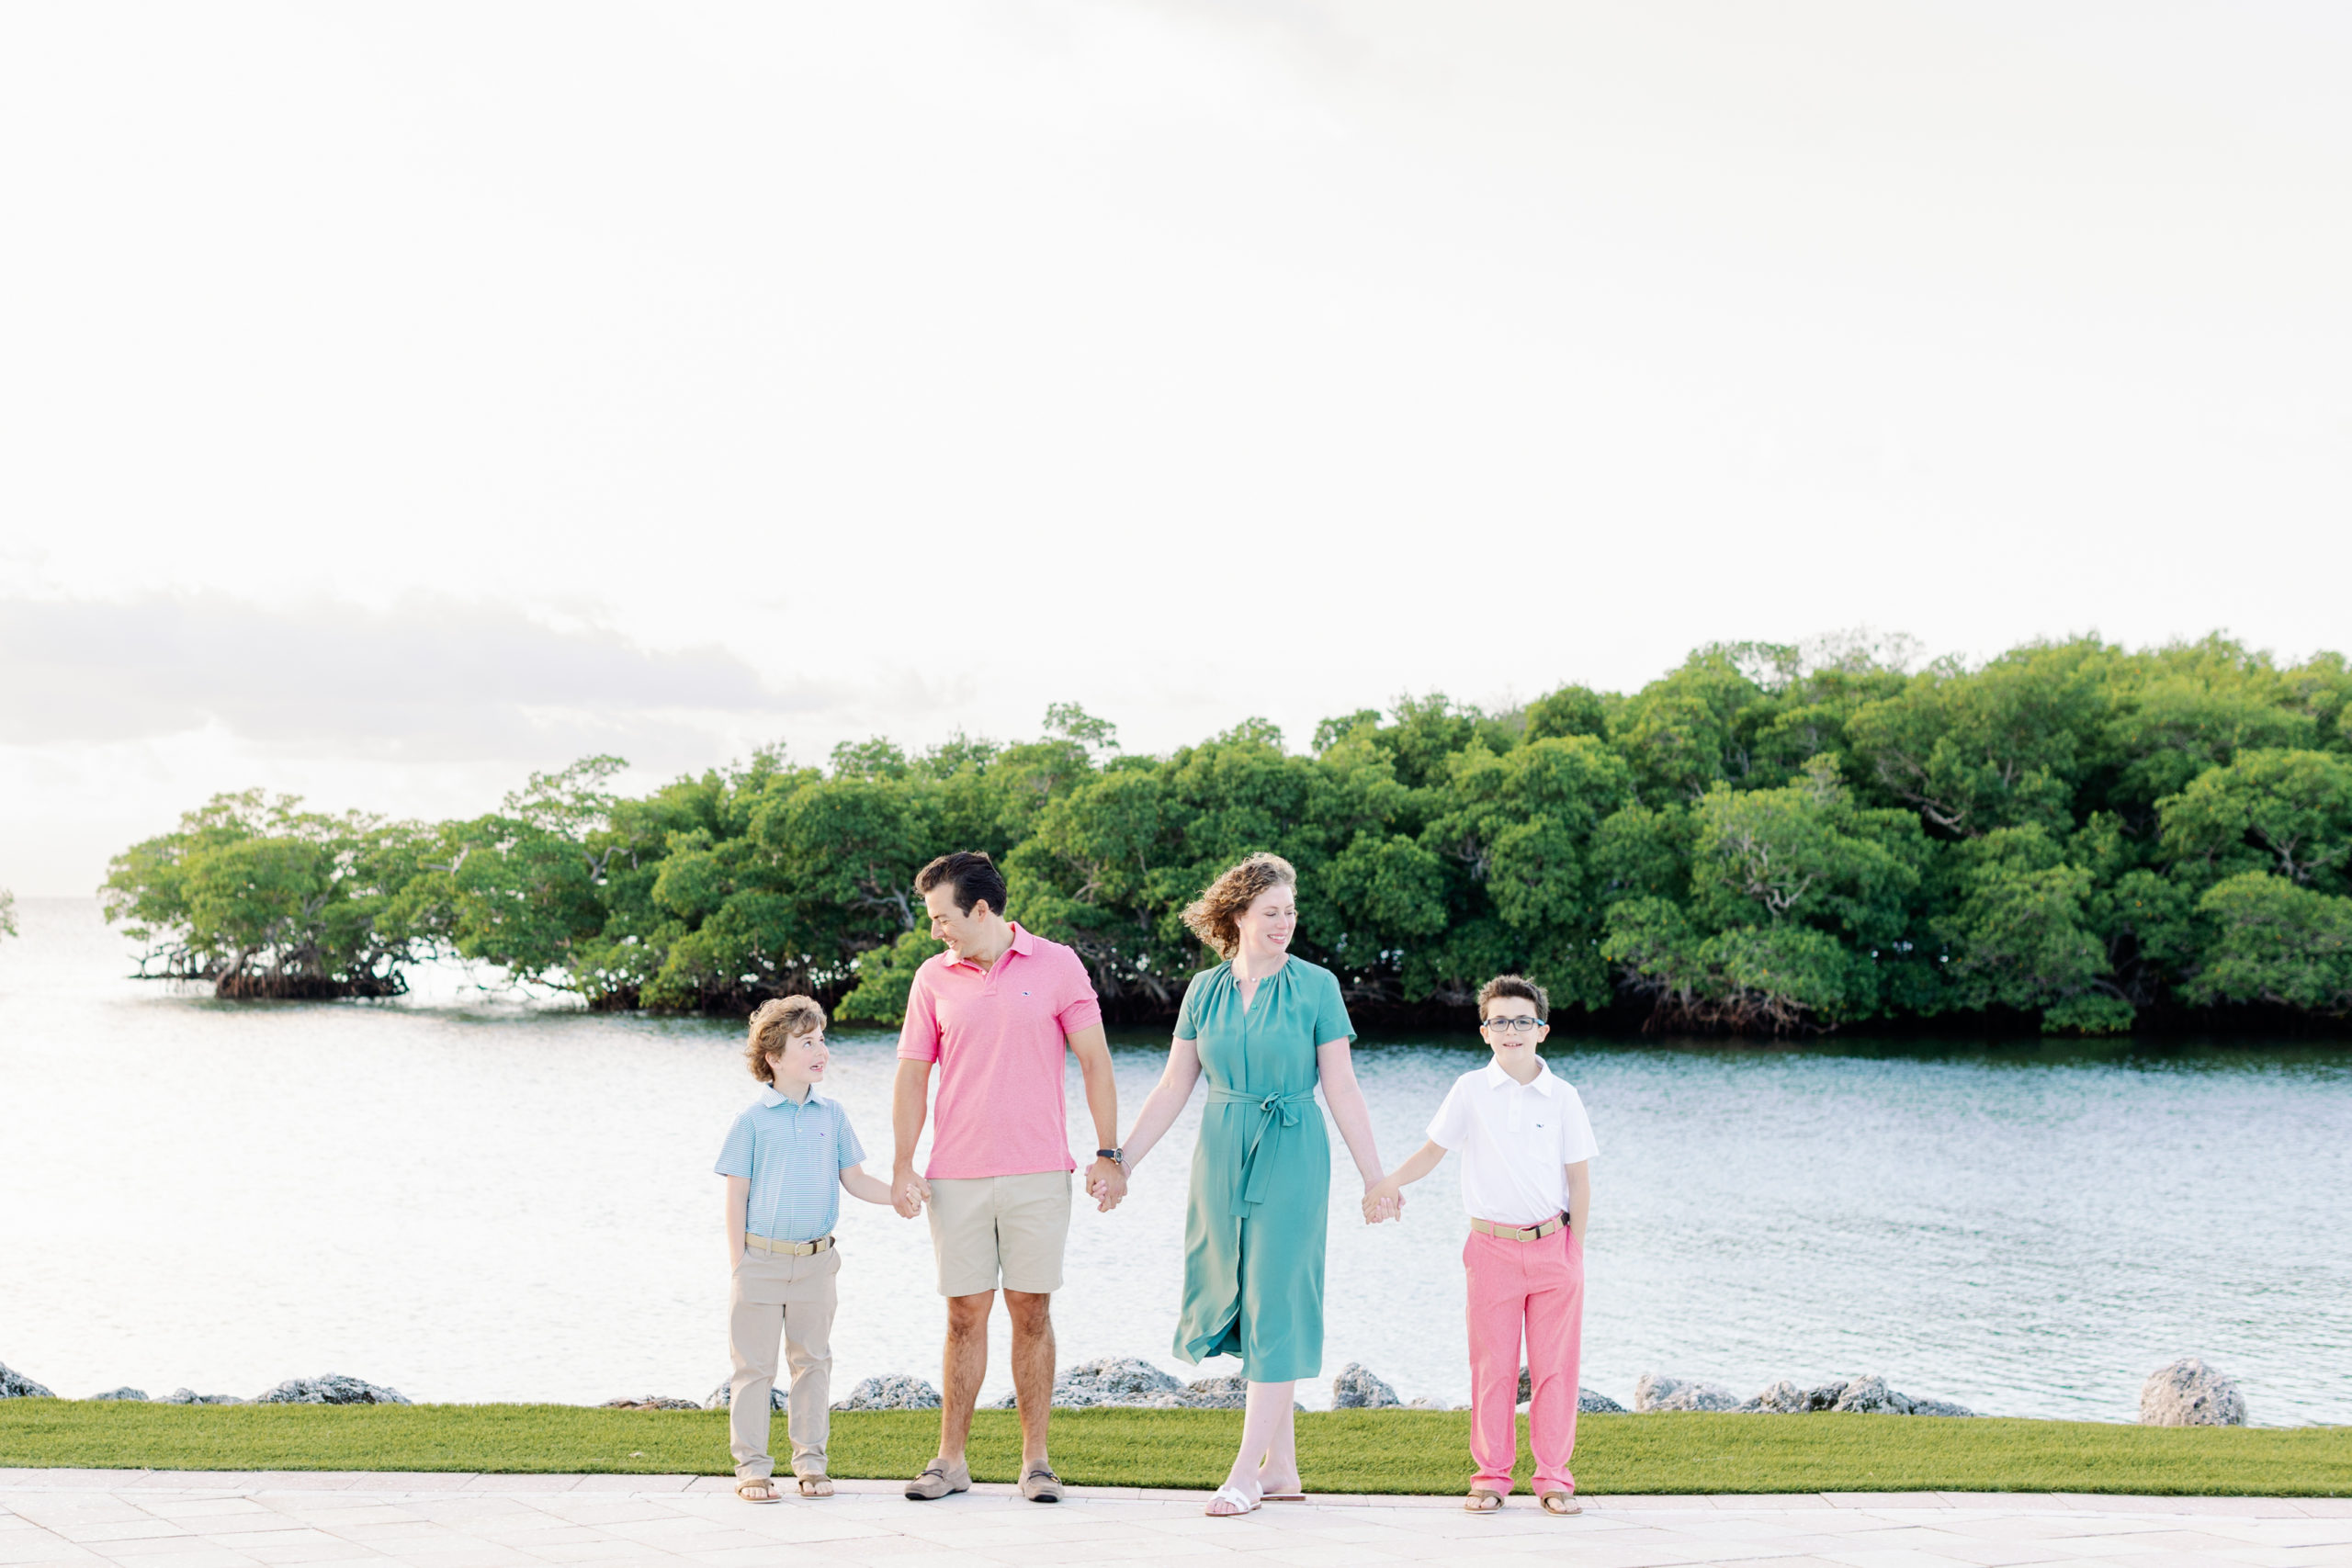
<point x="2287" y="811"/>
<point x="1769" y="837"/>
<point x="8" y="913"/>
<point x="2276" y="942"/>
<point x="268" y="900"/>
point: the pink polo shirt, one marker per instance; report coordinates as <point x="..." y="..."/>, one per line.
<point x="997" y="1035"/>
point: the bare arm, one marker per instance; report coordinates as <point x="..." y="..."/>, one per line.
<point x="1166" y="1098"/>
<point x="738" y="1198"/>
<point x="1105" y="1182"/>
<point x="909" y="1105"/>
<point x="1579" y="1198"/>
<point x="1345" y="1097"/>
<point x="857" y="1184"/>
<point x="1377" y="1199"/>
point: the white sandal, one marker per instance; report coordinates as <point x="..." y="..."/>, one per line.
<point x="1242" y="1503"/>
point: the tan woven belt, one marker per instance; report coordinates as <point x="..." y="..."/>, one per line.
<point x="1519" y="1233"/>
<point x="793" y="1248"/>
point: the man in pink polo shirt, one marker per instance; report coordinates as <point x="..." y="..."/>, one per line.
<point x="995" y="1012"/>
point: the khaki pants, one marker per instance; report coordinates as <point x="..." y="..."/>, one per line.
<point x="790" y="1297"/>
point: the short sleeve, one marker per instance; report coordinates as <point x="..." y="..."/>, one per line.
<point x="735" y="1154"/>
<point x="1576" y="1143"/>
<point x="847" y="1150"/>
<point x="1188" y="1017"/>
<point x="1331" y="1013"/>
<point x="1081" y="1008"/>
<point x="919" y="1035"/>
<point x="1450" y="1128"/>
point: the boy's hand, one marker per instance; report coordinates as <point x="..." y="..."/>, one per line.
<point x="908" y="1193"/>
<point x="1106" y="1183"/>
<point x="1383" y="1201"/>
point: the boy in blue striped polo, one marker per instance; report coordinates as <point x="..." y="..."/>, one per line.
<point x="787" y="1160"/>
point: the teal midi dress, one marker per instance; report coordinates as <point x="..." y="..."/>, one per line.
<point x="1261" y="1171"/>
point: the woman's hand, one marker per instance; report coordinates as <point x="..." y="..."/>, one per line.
<point x="1383" y="1201"/>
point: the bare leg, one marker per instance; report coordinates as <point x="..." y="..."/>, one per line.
<point x="1265" y="1421"/>
<point x="1280" y="1471"/>
<point x="964" y="1364"/>
<point x="1033" y="1370"/>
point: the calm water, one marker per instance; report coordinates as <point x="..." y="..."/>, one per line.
<point x="471" y="1200"/>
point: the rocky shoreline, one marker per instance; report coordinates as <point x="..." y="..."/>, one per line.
<point x="2186" y="1392"/>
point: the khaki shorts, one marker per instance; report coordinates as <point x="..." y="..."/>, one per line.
<point x="987" y="1230"/>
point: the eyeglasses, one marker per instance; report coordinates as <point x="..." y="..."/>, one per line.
<point x="1516" y="1025"/>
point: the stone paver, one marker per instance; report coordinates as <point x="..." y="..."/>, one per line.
<point x="290" y="1520"/>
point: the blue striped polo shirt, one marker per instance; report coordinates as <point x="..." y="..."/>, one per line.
<point x="793" y="1152"/>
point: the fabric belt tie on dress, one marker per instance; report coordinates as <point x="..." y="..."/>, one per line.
<point x="1275" y="1110"/>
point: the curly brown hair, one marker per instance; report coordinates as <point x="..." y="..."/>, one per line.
<point x="776" y="1025"/>
<point x="1215" y="916"/>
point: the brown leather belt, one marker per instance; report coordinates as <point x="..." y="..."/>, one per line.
<point x="1519" y="1233"/>
<point x="790" y="1248"/>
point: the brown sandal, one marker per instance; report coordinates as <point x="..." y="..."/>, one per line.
<point x="1482" y="1500"/>
<point x="1559" y="1502"/>
<point x="816" y="1487"/>
<point x="758" y="1489"/>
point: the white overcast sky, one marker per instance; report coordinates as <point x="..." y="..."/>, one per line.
<point x="398" y="397"/>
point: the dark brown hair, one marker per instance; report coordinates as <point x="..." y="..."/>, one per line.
<point x="1215" y="916"/>
<point x="973" y="875"/>
<point x="1517" y="986"/>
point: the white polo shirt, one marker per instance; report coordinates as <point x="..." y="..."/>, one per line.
<point x="1516" y="1141"/>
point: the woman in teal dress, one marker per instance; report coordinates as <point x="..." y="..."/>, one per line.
<point x="1263" y="1028"/>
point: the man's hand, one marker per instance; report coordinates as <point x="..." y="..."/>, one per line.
<point x="908" y="1193"/>
<point x="1106" y="1183"/>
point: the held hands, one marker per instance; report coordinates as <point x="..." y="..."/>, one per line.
<point x="908" y="1193"/>
<point x="1106" y="1183"/>
<point x="1384" y="1200"/>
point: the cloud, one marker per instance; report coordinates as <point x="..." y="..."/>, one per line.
<point x="430" y="678"/>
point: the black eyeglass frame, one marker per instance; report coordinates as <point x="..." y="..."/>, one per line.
<point x="1517" y="1025"/>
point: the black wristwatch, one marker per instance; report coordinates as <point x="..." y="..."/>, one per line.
<point x="1114" y="1156"/>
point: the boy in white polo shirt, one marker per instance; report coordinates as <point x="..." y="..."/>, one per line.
<point x="1524" y="1141"/>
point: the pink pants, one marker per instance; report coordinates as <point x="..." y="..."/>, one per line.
<point x="1537" y="1286"/>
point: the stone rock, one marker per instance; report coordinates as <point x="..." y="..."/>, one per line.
<point x="126" y="1392"/>
<point x="1588" y="1401"/>
<point x="1424" y="1403"/>
<point x="1655" y="1393"/>
<point x="1356" y="1389"/>
<point x="1868" y="1395"/>
<point x="332" y="1388"/>
<point x="651" y="1402"/>
<point x="1228" y="1393"/>
<point x="189" y="1396"/>
<point x="15" y="1385"/>
<point x="892" y="1390"/>
<point x="1124" y="1381"/>
<point x="723" y="1396"/>
<point x="1871" y="1396"/>
<point x="1113" y="1380"/>
<point x="1783" y="1398"/>
<point x="2190" y="1393"/>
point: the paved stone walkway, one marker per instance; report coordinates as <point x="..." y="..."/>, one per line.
<point x="194" y="1519"/>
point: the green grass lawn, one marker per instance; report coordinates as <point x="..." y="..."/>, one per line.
<point x="1392" y="1452"/>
